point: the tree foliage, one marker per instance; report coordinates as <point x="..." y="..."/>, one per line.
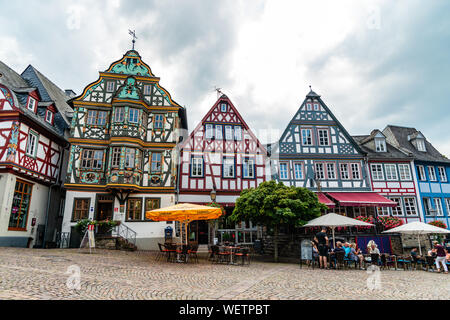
<point x="274" y="203"/>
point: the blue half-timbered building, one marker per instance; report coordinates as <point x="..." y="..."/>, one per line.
<point x="315" y="151"/>
<point x="431" y="171"/>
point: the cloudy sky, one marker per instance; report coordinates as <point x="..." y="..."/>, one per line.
<point x="373" y="62"/>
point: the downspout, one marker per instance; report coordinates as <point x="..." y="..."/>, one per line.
<point x="58" y="183"/>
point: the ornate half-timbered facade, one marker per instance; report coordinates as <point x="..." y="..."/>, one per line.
<point x="222" y="157"/>
<point x="391" y="175"/>
<point x="123" y="158"/>
<point x="315" y="151"/>
<point x="34" y="122"/>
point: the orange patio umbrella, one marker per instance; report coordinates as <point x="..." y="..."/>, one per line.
<point x="184" y="213"/>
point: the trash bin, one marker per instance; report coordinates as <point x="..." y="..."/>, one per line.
<point x="168" y="233"/>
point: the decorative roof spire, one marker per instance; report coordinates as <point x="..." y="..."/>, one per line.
<point x="133" y="34"/>
<point x="312" y="93"/>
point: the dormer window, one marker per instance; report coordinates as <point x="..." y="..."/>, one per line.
<point x="49" y="116"/>
<point x="380" y="145"/>
<point x="31" y="105"/>
<point x="420" y="144"/>
<point x="110" y="86"/>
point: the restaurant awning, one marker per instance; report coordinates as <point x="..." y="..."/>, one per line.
<point x="361" y="199"/>
<point x="326" y="201"/>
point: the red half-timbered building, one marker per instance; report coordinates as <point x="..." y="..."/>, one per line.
<point x="221" y="158"/>
<point x="33" y="129"/>
<point x="391" y="175"/>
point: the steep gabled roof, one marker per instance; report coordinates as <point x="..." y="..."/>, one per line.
<point x="398" y="137"/>
<point x="49" y="92"/>
<point x="367" y="145"/>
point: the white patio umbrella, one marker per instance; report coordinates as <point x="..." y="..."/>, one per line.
<point x="334" y="220"/>
<point x="418" y="228"/>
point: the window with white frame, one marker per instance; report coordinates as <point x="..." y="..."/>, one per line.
<point x="133" y="115"/>
<point x="320" y="172"/>
<point x="248" y="168"/>
<point x="380" y="144"/>
<point x="377" y="172"/>
<point x="447" y="205"/>
<point x="344" y="171"/>
<point x="158" y="121"/>
<point x="197" y="167"/>
<point x="32" y="143"/>
<point x="356" y="174"/>
<point x="119" y="114"/>
<point x="298" y="171"/>
<point x="92" y="159"/>
<point x="316" y="107"/>
<point x="420" y="143"/>
<point x="96" y="117"/>
<point x="219" y="135"/>
<point x="115" y="157"/>
<point x="31" y="104"/>
<point x="383" y="211"/>
<point x="238" y="133"/>
<point x="228" y="132"/>
<point x="308" y="107"/>
<point x="306" y="137"/>
<point x="427" y="206"/>
<point x="156" y="164"/>
<point x="438" y="207"/>
<point x="110" y="86"/>
<point x="228" y="167"/>
<point x="331" y="172"/>
<point x="398" y="210"/>
<point x="147" y="89"/>
<point x="208" y="131"/>
<point x="391" y="171"/>
<point x="410" y="206"/>
<point x="223" y="107"/>
<point x="432" y="173"/>
<point x="442" y="174"/>
<point x="129" y="157"/>
<point x="49" y="116"/>
<point x="283" y="170"/>
<point x="404" y="171"/>
<point x="323" y="137"/>
<point x="421" y="173"/>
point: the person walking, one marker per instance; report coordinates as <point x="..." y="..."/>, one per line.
<point x="321" y="239"/>
<point x="441" y="253"/>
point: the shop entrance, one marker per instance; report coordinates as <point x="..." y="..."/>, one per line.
<point x="198" y="232"/>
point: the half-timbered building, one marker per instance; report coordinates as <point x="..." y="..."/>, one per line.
<point x="221" y="157"/>
<point x="391" y="175"/>
<point x="316" y="152"/>
<point x="431" y="171"/>
<point x="34" y="122"/>
<point x="123" y="158"/>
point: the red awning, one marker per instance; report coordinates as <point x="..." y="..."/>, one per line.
<point x="323" y="199"/>
<point x="361" y="199"/>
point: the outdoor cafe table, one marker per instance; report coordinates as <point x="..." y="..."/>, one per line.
<point x="232" y="251"/>
<point x="180" y="249"/>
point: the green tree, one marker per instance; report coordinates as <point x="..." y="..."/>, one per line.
<point x="272" y="204"/>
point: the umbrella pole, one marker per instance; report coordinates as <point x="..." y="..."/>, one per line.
<point x="334" y="241"/>
<point x="420" y="248"/>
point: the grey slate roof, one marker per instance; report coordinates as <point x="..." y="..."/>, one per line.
<point x="48" y="91"/>
<point x="398" y="137"/>
<point x="31" y="80"/>
<point x="367" y="144"/>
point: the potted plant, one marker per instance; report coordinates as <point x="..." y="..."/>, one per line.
<point x="390" y="222"/>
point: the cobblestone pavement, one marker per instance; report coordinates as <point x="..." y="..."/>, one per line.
<point x="43" y="274"/>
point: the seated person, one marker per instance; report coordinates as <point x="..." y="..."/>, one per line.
<point x="355" y="255"/>
<point x="347" y="249"/>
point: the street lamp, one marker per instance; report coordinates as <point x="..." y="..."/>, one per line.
<point x="213" y="195"/>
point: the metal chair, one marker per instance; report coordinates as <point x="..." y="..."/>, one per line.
<point x="339" y="259"/>
<point x="430" y="263"/>
<point x="193" y="252"/>
<point x="224" y="255"/>
<point x="406" y="262"/>
<point x="171" y="250"/>
<point x="374" y="258"/>
<point x="244" y="254"/>
<point x="387" y="261"/>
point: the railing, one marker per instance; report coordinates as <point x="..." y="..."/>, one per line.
<point x="125" y="232"/>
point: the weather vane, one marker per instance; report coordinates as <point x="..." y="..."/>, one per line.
<point x="133" y="34"/>
<point x="219" y="91"/>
